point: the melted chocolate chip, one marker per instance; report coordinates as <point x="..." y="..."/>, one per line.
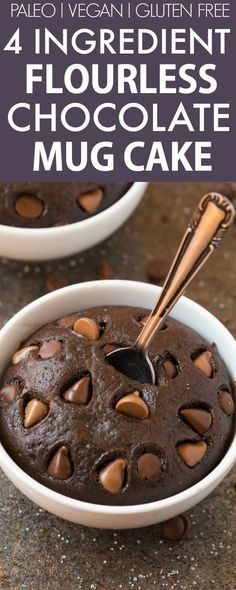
<point x="91" y="201"/>
<point x="88" y="328"/>
<point x="204" y="362"/>
<point x="192" y="452"/>
<point x="149" y="466"/>
<point x="143" y="320"/>
<point x="109" y="348"/>
<point x="35" y="411"/>
<point x="133" y="405"/>
<point x="112" y="476"/>
<point x="170" y="367"/>
<point x="68" y="321"/>
<point x="198" y="419"/>
<point x="9" y="393"/>
<point x="29" y="206"/>
<point x="49" y="348"/>
<point x="60" y="223"/>
<point x="227" y="403"/>
<point x="23" y="353"/>
<point x="60" y="466"/>
<point x="80" y="392"/>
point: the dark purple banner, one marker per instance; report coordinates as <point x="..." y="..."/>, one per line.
<point x="123" y="90"/>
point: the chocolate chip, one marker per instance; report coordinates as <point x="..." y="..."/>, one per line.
<point x="68" y="321"/>
<point x="204" y="362"/>
<point x="91" y="201"/>
<point x="144" y="319"/>
<point x="227" y="403"/>
<point x="22" y="354"/>
<point x="198" y="419"/>
<point x="165" y="218"/>
<point x="133" y="405"/>
<point x="49" y="348"/>
<point x="9" y="393"/>
<point x="29" y="206"/>
<point x="163" y="327"/>
<point x="149" y="466"/>
<point x="88" y="328"/>
<point x="176" y="528"/>
<point x="60" y="223"/>
<point x="157" y="269"/>
<point x="79" y="392"/>
<point x="105" y="271"/>
<point x="56" y="280"/>
<point x="109" y="348"/>
<point x="192" y="452"/>
<point x="112" y="476"/>
<point x="60" y="466"/>
<point x="170" y="367"/>
<point x="35" y="411"/>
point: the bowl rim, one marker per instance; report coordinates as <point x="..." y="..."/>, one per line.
<point x="87" y="507"/>
<point x="41" y="232"/>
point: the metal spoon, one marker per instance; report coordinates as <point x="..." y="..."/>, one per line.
<point x="213" y="216"/>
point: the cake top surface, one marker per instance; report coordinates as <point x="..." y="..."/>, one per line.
<point x="77" y="425"/>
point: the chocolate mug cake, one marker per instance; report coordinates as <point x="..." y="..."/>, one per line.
<point x="38" y="205"/>
<point x="81" y="428"/>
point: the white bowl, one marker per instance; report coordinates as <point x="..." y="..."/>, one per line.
<point x="83" y="296"/>
<point x="56" y="242"/>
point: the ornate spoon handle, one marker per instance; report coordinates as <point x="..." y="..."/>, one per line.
<point x="213" y="216"/>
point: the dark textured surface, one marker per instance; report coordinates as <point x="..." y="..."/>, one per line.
<point x="41" y="551"/>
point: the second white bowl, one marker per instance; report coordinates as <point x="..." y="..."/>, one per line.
<point x="57" y="242"/>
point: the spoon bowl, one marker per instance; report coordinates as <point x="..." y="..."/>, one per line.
<point x="212" y="218"/>
<point x="133" y="362"/>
